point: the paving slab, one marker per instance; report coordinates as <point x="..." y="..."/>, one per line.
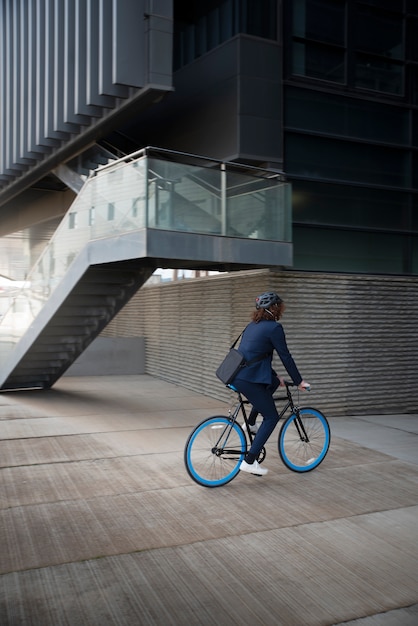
<point x="100" y="524"/>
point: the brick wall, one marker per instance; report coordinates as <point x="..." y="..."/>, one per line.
<point x="354" y="337"/>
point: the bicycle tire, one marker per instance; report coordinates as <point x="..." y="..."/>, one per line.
<point x="207" y="461"/>
<point x="299" y="455"/>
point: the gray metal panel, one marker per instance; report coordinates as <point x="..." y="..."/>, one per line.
<point x="29" y="104"/>
<point x="59" y="58"/>
<point x="128" y="43"/>
<point x="22" y="104"/>
<point x="69" y="71"/>
<point x="106" y="53"/>
<point x="20" y="101"/>
<point x="179" y="247"/>
<point x="2" y="91"/>
<point x="41" y="76"/>
<point x="159" y="31"/>
<point x="15" y="121"/>
<point x="81" y="105"/>
<point x="93" y="59"/>
<point x="8" y="92"/>
<point x="51" y="88"/>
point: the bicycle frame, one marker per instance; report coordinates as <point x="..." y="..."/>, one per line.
<point x="240" y="408"/>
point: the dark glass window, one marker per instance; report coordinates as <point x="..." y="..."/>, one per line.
<point x="378" y="74"/>
<point x="342" y="205"/>
<point x="319" y="20"/>
<point x="412" y="39"/>
<point x="111" y="211"/>
<point x="415" y="170"/>
<point x="415" y="214"/>
<point x="201" y="26"/>
<point x="72" y="220"/>
<point x="259" y="18"/>
<point x="316" y="157"/>
<point x="415" y="126"/>
<point x="318" y="61"/>
<point x="411" y="6"/>
<point x="378" y="33"/>
<point x="347" y="251"/>
<point x="413" y="85"/>
<point x="375" y="56"/>
<point x="414" y="245"/>
<point x="349" y="117"/>
<point x="390" y="5"/>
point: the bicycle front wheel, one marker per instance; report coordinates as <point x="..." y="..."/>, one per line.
<point x="214" y="451"/>
<point x="304" y="440"/>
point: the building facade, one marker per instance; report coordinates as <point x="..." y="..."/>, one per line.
<point x="325" y="91"/>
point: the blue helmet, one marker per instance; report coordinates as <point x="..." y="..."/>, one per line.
<point x="267" y="299"/>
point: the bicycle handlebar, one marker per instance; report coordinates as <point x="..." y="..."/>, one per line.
<point x="289" y="383"/>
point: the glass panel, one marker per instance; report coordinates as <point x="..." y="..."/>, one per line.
<point x="344" y="116"/>
<point x="411" y="6"/>
<point x="412" y="39"/>
<point x="318" y="61"/>
<point x="259" y="208"/>
<point x="414" y="268"/>
<point x="315" y="157"/>
<point x="347" y="251"/>
<point x="204" y="26"/>
<point x="415" y="170"/>
<point x="189" y="198"/>
<point x="379" y="33"/>
<point x="322" y="203"/>
<point x="413" y="77"/>
<point x="390" y="5"/>
<point x="184" y="197"/>
<point x="414" y="224"/>
<point x="259" y="18"/>
<point x="415" y="126"/>
<point x="378" y="75"/>
<point x="322" y="20"/>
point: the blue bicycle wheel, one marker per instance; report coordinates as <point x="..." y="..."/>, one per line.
<point x="214" y="451"/>
<point x="304" y="440"/>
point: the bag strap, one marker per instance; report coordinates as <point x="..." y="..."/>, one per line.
<point x="236" y="340"/>
<point x="255" y="359"/>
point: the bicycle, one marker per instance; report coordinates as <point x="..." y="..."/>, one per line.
<point x="216" y="446"/>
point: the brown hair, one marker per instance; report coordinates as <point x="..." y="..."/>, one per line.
<point x="276" y="311"/>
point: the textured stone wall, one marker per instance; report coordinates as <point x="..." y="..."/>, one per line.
<point x="354" y="337"/>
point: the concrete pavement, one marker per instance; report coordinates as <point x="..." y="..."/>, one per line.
<point x="101" y="525"/>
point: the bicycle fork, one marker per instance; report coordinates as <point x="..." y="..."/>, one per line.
<point x="220" y="449"/>
<point x="300" y="427"/>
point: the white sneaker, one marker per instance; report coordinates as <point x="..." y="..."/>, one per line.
<point x="253" y="428"/>
<point x="254" y="468"/>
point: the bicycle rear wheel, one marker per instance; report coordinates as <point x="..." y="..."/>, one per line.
<point x="214" y="451"/>
<point x="304" y="440"/>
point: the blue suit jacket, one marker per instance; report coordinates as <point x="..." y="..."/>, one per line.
<point x="261" y="338"/>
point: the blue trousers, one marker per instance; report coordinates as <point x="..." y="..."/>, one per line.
<point x="261" y="397"/>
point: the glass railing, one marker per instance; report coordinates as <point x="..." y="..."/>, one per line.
<point x="153" y="189"/>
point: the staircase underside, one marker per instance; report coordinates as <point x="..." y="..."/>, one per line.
<point x="103" y="278"/>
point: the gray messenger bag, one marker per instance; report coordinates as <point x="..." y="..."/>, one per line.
<point x="233" y="362"/>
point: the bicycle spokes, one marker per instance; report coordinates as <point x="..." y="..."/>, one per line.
<point x="304" y="440"/>
<point x="214" y="451"/>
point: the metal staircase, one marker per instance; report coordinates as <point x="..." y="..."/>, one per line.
<point x="145" y="211"/>
<point x="93" y="302"/>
